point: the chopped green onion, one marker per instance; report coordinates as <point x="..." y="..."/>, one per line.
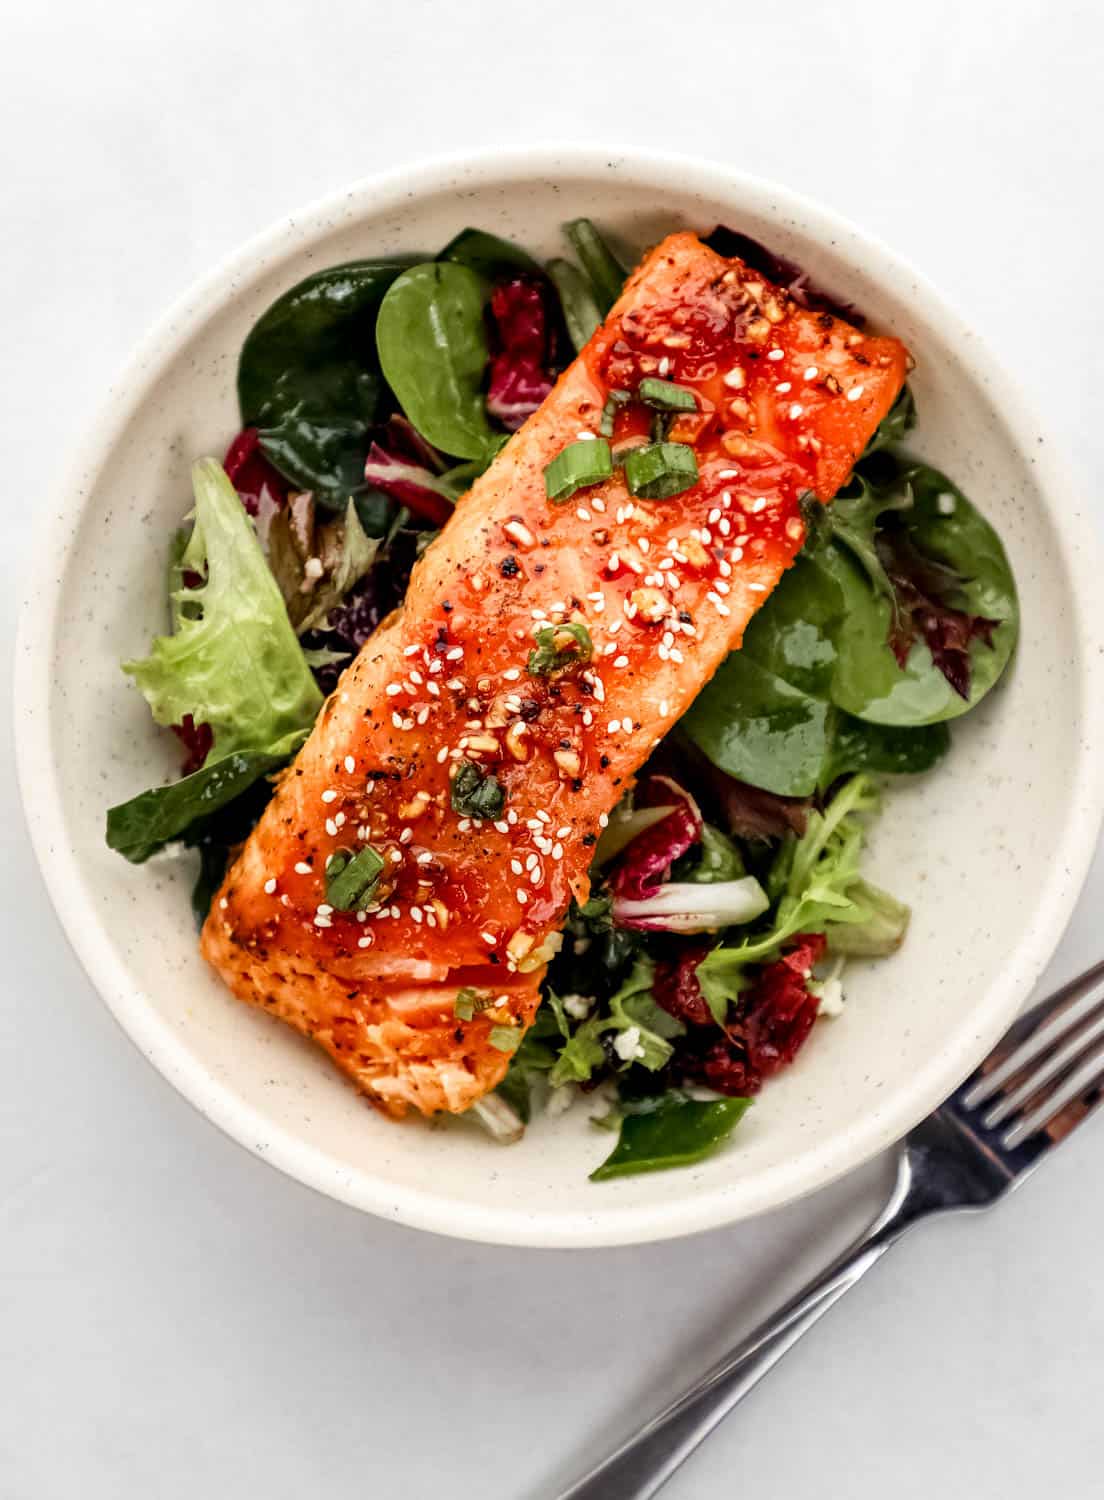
<point x="607" y="276"/>
<point x="609" y="411"/>
<point x="505" y="1038"/>
<point x="559" y="647"/>
<point x="581" y="312"/>
<point x="661" y="470"/>
<point x="666" y="395"/>
<point x="579" y="464"/>
<point x="351" y="879"/>
<point x="475" y="793"/>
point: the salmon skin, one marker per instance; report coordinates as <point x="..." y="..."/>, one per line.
<point x="787" y="400"/>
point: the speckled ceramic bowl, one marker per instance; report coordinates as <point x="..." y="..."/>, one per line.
<point x="991" y="849"/>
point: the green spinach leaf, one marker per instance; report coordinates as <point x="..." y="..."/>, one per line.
<point x="488" y="255"/>
<point x="432" y="347"/>
<point x="675" y="1133"/>
<point x="309" y="380"/>
<point x="138" y="828"/>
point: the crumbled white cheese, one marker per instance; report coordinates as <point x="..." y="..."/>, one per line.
<point x="578" y="1006"/>
<point x="627" y="1044"/>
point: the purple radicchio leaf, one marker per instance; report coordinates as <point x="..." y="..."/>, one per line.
<point x="519" y="379"/>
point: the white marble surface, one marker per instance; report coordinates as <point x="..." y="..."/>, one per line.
<point x="179" y="1321"/>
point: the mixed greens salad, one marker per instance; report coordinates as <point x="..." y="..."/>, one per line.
<point x="728" y="892"/>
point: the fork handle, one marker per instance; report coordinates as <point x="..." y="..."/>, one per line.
<point x="642" y="1465"/>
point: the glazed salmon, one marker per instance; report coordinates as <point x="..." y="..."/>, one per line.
<point x="481" y="779"/>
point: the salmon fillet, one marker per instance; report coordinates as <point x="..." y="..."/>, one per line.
<point x="787" y="400"/>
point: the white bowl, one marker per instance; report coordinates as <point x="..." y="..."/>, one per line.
<point x="990" y="850"/>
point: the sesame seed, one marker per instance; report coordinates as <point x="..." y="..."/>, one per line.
<point x="775" y="355"/>
<point x="423" y="715"/>
<point x="416" y="913"/>
<point x="397" y="720"/>
<point x="621" y="661"/>
<point x="664" y="652"/>
<point x="811" y="373"/>
<point x="392" y="690"/>
<point x="340" y="820"/>
<point x="586" y="437"/>
<point x="516" y="867"/>
<point x="664" y="708"/>
<point x="489" y="937"/>
<point x="564" y="832"/>
<point x="603" y="820"/>
<point x="854" y="393"/>
<point x="714" y="516"/>
<point x="796" y="410"/>
<point x="269" y="886"/>
<point x="721" y="608"/>
<point x="760" y="505"/>
<point x="536" y="876"/>
<point x="455" y="685"/>
<point x="433" y="690"/>
<point x="582" y="513"/>
<point x="322" y="922"/>
<point x="664" y="365"/>
<point x="511" y="817"/>
<point x="395" y="857"/>
<point x="783" y="387"/>
<point x="464" y="824"/>
<point x="365" y="941"/>
<point x="557" y="851"/>
<point x="644" y="544"/>
<point x="599" y="688"/>
<point x="757" y="588"/>
<point x="331" y="827"/>
<point x="329" y="795"/>
<point x="416" y="677"/>
<point x="517" y="532"/>
<point x="721" y="586"/>
<point x="726" y="500"/>
<point x="737" y="556"/>
<point x="512" y="674"/>
<point x="543" y="816"/>
<point x="734" y="378"/>
<point x="522" y="895"/>
<point x="350" y="764"/>
<point x="609" y="648"/>
<point x="435" y="666"/>
<point x="425" y="857"/>
<point x="455" y="654"/>
<point x="501" y="826"/>
<point x="599" y="505"/>
<point x="442" y="755"/>
<point x="614" y="725"/>
<point x="676" y="655"/>
<point x="728" y="474"/>
<point x="588" y="717"/>
<point x="303" y="869"/>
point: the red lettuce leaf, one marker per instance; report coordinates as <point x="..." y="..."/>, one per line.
<point x="648" y="859"/>
<point x="197" y="740"/>
<point x="676" y="985"/>
<point x="406" y="468"/>
<point x="251" y="474"/>
<point x="519" y="378"/>
<point x="768" y="1025"/>
<point x="923" y="588"/>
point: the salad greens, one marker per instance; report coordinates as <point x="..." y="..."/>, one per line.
<point x="433" y="350"/>
<point x="372" y="395"/>
<point x="233" y="661"/>
<point x="307" y="377"/>
<point x="673" y="1131"/>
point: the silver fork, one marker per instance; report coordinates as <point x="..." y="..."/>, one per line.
<point x="1036" y="1086"/>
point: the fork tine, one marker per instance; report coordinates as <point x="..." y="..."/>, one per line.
<point x="1083" y="1085"/>
<point x="1036" y="1032"/>
<point x="1051" y="1069"/>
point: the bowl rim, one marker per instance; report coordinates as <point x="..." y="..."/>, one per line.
<point x="420" y="1208"/>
